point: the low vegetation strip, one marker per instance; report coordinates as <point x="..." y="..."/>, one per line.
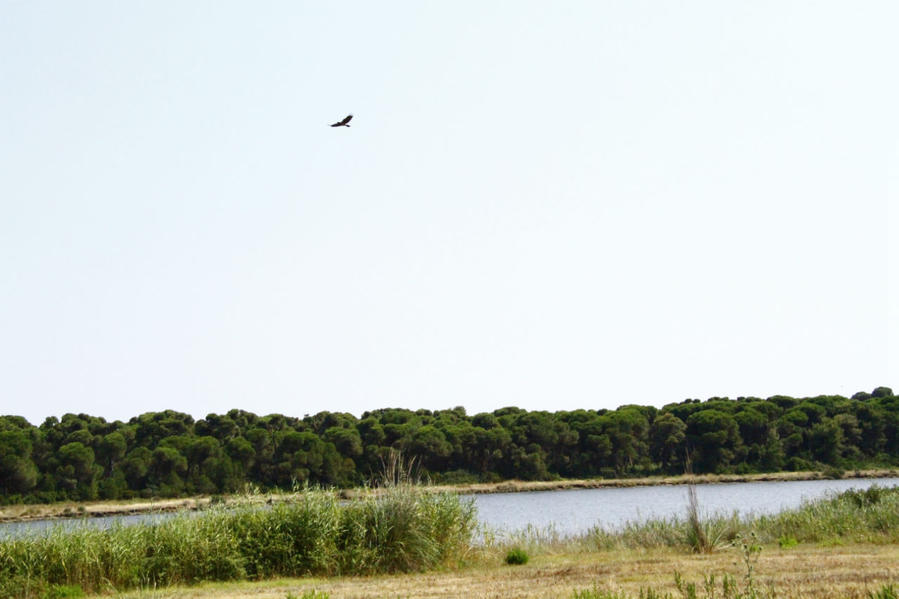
<point x="401" y="530"/>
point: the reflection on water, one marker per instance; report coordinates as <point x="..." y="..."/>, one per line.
<point x="576" y="511"/>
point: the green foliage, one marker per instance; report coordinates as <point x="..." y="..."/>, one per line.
<point x="402" y="530"/>
<point x="787" y="542"/>
<point x="64" y="592"/>
<point x="861" y="498"/>
<point x="517" y="556"/>
<point x="750" y="551"/>
<point x="705" y="535"/>
<point x="667" y="435"/>
<point x="168" y="454"/>
<point x="834" y="520"/>
<point x="887" y="591"/>
<point x="310" y="594"/>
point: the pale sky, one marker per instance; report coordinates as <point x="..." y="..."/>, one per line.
<point x="551" y="205"/>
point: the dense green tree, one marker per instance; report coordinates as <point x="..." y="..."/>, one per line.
<point x="714" y="438"/>
<point x="110" y="450"/>
<point x="429" y="444"/>
<point x="167" y="453"/>
<point x="136" y="466"/>
<point x="167" y="469"/>
<point x="18" y="473"/>
<point x="667" y="436"/>
<point x="627" y="430"/>
<point x="825" y="441"/>
<point x="77" y="472"/>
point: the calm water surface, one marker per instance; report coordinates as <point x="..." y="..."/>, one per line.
<point x="576" y="511"/>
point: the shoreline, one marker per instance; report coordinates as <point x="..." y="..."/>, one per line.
<point x="516" y="486"/>
<point x="98" y="509"/>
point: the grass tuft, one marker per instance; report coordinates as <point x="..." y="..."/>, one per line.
<point x="887" y="591"/>
<point x="517" y="557"/>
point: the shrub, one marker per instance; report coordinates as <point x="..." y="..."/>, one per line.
<point x="786" y="542"/>
<point x="517" y="557"/>
<point x="311" y="594"/>
<point x="870" y="496"/>
<point x="833" y="472"/>
<point x="64" y="592"/>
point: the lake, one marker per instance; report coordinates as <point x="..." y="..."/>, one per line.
<point x="575" y="511"/>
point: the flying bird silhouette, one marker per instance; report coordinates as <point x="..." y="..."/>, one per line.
<point x="345" y="122"/>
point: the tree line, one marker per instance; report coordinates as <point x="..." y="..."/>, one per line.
<point x="169" y="454"/>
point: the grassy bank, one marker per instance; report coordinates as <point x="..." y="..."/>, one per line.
<point x="870" y="516"/>
<point x="19" y="513"/>
<point x="401" y="530"/>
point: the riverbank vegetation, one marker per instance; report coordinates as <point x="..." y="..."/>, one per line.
<point x="841" y="546"/>
<point x="169" y="454"/>
<point x="400" y="530"/>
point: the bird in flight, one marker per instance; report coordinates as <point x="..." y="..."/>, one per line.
<point x="345" y="122"/>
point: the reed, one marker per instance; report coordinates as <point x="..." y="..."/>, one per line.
<point x="870" y="516"/>
<point x="401" y="530"/>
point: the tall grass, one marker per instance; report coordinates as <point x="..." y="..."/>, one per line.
<point x="403" y="529"/>
<point x="870" y="516"/>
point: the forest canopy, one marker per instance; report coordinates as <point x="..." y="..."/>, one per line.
<point x="169" y="454"/>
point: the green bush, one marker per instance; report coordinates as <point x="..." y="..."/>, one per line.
<point x="311" y="594"/>
<point x="517" y="557"/>
<point x="870" y="496"/>
<point x="833" y="472"/>
<point x="64" y="592"/>
<point x="787" y="542"/>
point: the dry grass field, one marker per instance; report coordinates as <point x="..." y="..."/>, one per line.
<point x="804" y="571"/>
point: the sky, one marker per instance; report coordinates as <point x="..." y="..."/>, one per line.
<point x="545" y="205"/>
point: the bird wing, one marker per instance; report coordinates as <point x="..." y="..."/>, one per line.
<point x="346" y="120"/>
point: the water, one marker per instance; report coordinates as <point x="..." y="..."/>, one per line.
<point x="575" y="511"/>
<point x="12" y="529"/>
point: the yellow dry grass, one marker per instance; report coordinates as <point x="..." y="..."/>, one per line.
<point x="804" y="571"/>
